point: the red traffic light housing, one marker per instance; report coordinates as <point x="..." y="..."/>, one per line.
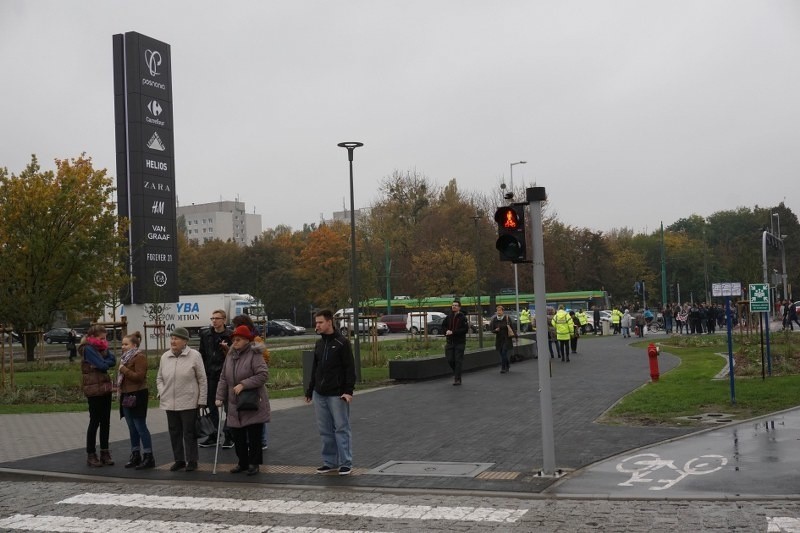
<point x="511" y="233"/>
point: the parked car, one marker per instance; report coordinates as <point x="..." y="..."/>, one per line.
<point x="605" y="316"/>
<point x="60" y="335"/>
<point x="298" y="330"/>
<point x="366" y="324"/>
<point x="396" y="323"/>
<point x="11" y="337"/>
<point x="278" y="328"/>
<point x="414" y="320"/>
<point x="473" y="323"/>
<point x="435" y="325"/>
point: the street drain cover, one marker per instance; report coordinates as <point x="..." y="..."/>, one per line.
<point x="426" y="468"/>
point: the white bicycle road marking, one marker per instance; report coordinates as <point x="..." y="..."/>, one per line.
<point x="294" y="507"/>
<point x="70" y="524"/>
<point x="644" y="465"/>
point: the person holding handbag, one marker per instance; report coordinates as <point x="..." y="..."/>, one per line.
<point x="504" y="335"/>
<point x="132" y="385"/>
<point x="242" y="385"/>
<point x="96" y="360"/>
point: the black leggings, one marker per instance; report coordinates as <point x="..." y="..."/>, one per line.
<point x="247" y="441"/>
<point x="99" y="417"/>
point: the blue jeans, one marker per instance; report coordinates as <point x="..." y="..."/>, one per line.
<point x="503" y="350"/>
<point x="137" y="427"/>
<point x="333" y="422"/>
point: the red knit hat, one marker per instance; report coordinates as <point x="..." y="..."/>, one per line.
<point x="242" y="331"/>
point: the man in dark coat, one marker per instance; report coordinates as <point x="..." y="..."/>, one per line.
<point x="333" y="379"/>
<point x="214" y="344"/>
<point x="455" y="328"/>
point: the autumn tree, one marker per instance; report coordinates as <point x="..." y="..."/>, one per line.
<point x="60" y="244"/>
<point x="444" y="269"/>
<point x="278" y="282"/>
<point x="323" y="265"/>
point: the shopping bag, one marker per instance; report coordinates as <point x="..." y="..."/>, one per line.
<point x="203" y="426"/>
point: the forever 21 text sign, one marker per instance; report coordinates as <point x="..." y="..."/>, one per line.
<point x="146" y="164"/>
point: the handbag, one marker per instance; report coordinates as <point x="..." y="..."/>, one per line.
<point x="247" y="400"/>
<point x="129" y="400"/>
<point x="203" y="425"/>
<point x="95" y="382"/>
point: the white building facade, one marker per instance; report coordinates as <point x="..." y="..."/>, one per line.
<point x="221" y="220"/>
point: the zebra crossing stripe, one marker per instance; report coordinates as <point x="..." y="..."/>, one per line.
<point x="70" y="524"/>
<point x="783" y="524"/>
<point x="294" y="507"/>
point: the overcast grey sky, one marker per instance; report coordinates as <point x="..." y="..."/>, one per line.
<point x="629" y="112"/>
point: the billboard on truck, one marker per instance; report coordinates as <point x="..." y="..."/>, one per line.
<point x="192" y="312"/>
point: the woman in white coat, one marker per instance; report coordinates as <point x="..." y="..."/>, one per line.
<point x="182" y="388"/>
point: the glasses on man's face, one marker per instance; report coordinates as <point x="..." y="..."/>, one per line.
<point x="217" y="318"/>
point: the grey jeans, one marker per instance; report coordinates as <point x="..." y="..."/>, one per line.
<point x="454" y="353"/>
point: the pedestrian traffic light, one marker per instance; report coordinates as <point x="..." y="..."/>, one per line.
<point x="511" y="233"/>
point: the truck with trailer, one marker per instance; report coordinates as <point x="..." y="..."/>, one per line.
<point x="192" y="311"/>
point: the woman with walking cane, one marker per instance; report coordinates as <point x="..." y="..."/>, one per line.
<point x="241" y="385"/>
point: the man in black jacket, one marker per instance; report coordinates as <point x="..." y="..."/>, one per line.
<point x="214" y="344"/>
<point x="333" y="379"/>
<point x="455" y="326"/>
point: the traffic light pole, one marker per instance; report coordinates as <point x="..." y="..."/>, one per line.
<point x="535" y="196"/>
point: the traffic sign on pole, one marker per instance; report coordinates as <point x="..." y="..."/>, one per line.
<point x="759" y="298"/>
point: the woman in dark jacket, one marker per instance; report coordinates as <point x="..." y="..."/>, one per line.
<point x="245" y="369"/>
<point x="503" y="337"/>
<point x="132" y="384"/>
<point x="96" y="360"/>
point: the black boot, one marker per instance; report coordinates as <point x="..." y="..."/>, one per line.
<point x="135" y="459"/>
<point x="147" y="462"/>
<point x="105" y="458"/>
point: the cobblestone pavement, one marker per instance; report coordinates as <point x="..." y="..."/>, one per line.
<point x="176" y="508"/>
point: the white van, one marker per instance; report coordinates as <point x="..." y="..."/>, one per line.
<point x="343" y="320"/>
<point x="415" y="320"/>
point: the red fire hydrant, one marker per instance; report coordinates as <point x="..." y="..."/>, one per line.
<point x="652" y="354"/>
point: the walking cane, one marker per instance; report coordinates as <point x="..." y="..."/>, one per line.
<point x="219" y="434"/>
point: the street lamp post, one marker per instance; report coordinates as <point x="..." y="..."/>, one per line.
<point x="353" y="270"/>
<point x="516" y="275"/>
<point x="784" y="276"/>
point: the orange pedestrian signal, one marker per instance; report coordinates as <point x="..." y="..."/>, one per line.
<point x="511" y="233"/>
<point x="511" y="219"/>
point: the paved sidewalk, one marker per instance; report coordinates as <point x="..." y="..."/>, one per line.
<point x="491" y="421"/>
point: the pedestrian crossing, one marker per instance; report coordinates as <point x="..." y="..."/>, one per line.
<point x="67" y="524"/>
<point x="279" y="506"/>
<point x="153" y="513"/>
